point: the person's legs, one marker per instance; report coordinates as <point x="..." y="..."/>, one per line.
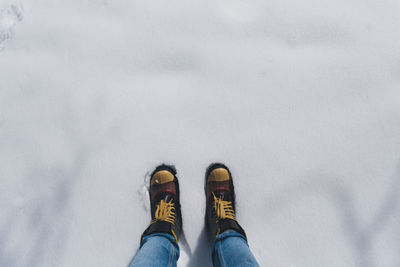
<point x="230" y="242"/>
<point x="156" y="250"/>
<point x="159" y="242"/>
<point x="231" y="249"/>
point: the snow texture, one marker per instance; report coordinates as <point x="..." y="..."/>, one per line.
<point x="301" y="99"/>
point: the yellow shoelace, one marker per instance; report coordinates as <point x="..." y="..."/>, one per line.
<point x="165" y="212"/>
<point x="223" y="209"/>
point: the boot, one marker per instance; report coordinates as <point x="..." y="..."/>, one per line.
<point x="164" y="199"/>
<point x="220" y="205"/>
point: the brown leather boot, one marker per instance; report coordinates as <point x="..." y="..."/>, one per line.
<point x="220" y="205"/>
<point x="164" y="199"/>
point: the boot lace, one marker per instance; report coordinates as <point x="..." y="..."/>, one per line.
<point x="223" y="209"/>
<point x="165" y="212"/>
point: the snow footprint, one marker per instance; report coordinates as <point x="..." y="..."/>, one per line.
<point x="144" y="192"/>
<point x="9" y="17"/>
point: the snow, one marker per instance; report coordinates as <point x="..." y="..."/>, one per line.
<point x="301" y="99"/>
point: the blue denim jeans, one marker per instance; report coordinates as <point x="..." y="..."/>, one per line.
<point x="229" y="249"/>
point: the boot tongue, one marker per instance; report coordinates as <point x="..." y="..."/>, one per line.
<point x="166" y="196"/>
<point x="223" y="194"/>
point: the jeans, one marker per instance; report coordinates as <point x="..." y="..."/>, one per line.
<point x="229" y="249"/>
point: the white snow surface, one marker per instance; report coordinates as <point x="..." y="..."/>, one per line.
<point x="301" y="99"/>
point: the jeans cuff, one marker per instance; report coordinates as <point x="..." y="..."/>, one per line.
<point x="170" y="237"/>
<point x="229" y="233"/>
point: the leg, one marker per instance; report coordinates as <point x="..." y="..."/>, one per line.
<point x="156" y="250"/>
<point x="230" y="243"/>
<point x="231" y="249"/>
<point x="159" y="243"/>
